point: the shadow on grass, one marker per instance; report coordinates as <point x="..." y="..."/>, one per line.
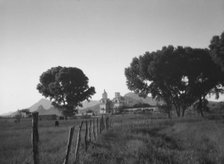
<point x="145" y="143"/>
<point x="158" y="139"/>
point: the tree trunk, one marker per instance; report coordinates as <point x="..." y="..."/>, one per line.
<point x="200" y="107"/>
<point x="177" y="110"/>
<point x="168" y="112"/>
<point x="183" y="111"/>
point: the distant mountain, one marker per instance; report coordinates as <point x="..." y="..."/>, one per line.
<point x="132" y="99"/>
<point x="42" y="111"/>
<point x="87" y="104"/>
<point x="7" y="114"/>
<point x="44" y="107"/>
<point x="12" y="114"/>
<point x="46" y="104"/>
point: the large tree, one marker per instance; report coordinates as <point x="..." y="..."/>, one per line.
<point x="217" y="53"/>
<point x="179" y="76"/>
<point x="66" y="87"/>
<point x="158" y="73"/>
<point x="217" y="49"/>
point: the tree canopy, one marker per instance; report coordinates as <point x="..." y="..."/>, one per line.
<point x="66" y="87"/>
<point x="217" y="49"/>
<point x="179" y="76"/>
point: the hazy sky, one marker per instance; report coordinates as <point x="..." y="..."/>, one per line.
<point x="99" y="36"/>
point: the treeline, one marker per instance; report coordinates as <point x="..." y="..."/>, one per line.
<point x="179" y="76"/>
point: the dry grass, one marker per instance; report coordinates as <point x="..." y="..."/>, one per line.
<point x="140" y="139"/>
<point x="133" y="139"/>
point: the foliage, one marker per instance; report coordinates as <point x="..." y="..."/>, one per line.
<point x="217" y="53"/>
<point x="141" y="105"/>
<point x="18" y="116"/>
<point x="66" y="87"/>
<point x="179" y="76"/>
<point x="217" y="49"/>
<point x="26" y="111"/>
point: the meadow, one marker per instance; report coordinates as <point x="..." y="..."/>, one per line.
<point x="148" y="138"/>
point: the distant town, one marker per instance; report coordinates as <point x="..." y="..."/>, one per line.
<point x="130" y="102"/>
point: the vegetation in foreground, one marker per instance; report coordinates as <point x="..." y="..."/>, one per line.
<point x="133" y="138"/>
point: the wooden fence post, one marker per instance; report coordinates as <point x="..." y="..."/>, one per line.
<point x="102" y="126"/>
<point x="78" y="144"/>
<point x="90" y="124"/>
<point x="93" y="129"/>
<point x="70" y="136"/>
<point x="97" y="126"/>
<point x="107" y="122"/>
<point x="35" y="138"/>
<point x="110" y="122"/>
<point x="86" y="136"/>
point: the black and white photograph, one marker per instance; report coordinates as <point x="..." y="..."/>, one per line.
<point x="112" y="82"/>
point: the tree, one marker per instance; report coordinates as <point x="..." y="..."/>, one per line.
<point x="66" y="87"/>
<point x="217" y="53"/>
<point x="18" y="116"/>
<point x="217" y="49"/>
<point x="26" y="111"/>
<point x="158" y="73"/>
<point x="179" y="76"/>
<point x="203" y="76"/>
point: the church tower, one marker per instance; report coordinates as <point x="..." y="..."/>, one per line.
<point x="104" y="103"/>
<point x="104" y="95"/>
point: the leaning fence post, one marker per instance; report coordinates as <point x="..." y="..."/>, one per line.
<point x="70" y="136"/>
<point x="35" y="138"/>
<point x="86" y="136"/>
<point x="78" y="144"/>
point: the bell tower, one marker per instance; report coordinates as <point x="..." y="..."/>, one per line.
<point x="104" y="95"/>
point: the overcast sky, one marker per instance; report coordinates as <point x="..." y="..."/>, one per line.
<point x="99" y="36"/>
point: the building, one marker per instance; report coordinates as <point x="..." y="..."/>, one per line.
<point x="105" y="104"/>
<point x="108" y="106"/>
<point x="118" y="102"/>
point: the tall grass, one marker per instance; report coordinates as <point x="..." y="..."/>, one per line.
<point x="133" y="138"/>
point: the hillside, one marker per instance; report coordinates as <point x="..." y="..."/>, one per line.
<point x="44" y="102"/>
<point x="42" y="111"/>
<point x="89" y="104"/>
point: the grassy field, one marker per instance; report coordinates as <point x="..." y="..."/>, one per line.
<point x="133" y="138"/>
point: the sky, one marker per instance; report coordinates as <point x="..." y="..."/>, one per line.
<point x="98" y="36"/>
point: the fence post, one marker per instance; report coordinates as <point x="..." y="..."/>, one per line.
<point x="110" y="122"/>
<point x="86" y="136"/>
<point x="35" y="138"/>
<point x="90" y="124"/>
<point x="70" y="136"/>
<point x="102" y="125"/>
<point x="93" y="129"/>
<point x="78" y="144"/>
<point x="97" y="126"/>
<point x="107" y="122"/>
